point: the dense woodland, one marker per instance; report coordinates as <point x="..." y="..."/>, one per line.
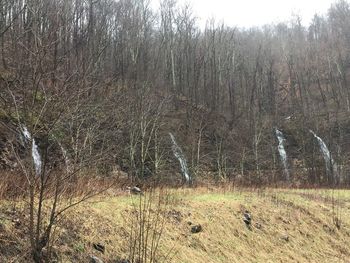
<point x="100" y="84"/>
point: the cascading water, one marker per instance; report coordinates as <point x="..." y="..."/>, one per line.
<point x="180" y="156"/>
<point x="26" y="133"/>
<point x="35" y="151"/>
<point x="282" y="151"/>
<point x="330" y="164"/>
<point x="36" y="158"/>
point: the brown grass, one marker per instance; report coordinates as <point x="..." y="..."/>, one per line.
<point x="305" y="216"/>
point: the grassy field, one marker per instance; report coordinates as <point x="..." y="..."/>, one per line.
<point x="287" y="226"/>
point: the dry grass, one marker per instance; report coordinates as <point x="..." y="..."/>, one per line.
<point x="305" y="216"/>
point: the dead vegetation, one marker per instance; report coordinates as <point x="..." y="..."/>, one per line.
<point x="286" y="226"/>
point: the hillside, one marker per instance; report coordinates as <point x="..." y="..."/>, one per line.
<point x="209" y="129"/>
<point x="101" y="85"/>
<point x="287" y="226"/>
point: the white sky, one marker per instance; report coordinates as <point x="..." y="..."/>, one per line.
<point x="248" y="13"/>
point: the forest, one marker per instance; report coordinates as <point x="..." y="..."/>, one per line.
<point x="101" y="94"/>
<point x="108" y="80"/>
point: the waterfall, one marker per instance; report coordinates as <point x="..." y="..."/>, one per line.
<point x="282" y="151"/>
<point x="36" y="158"/>
<point x="330" y="164"/>
<point x="26" y="133"/>
<point x="35" y="150"/>
<point x="180" y="156"/>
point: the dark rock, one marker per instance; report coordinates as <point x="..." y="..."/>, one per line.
<point x="94" y="259"/>
<point x="285" y="237"/>
<point x="189" y="223"/>
<point x="258" y="225"/>
<point x="175" y="214"/>
<point x="247" y="218"/>
<point x="134" y="190"/>
<point x="99" y="247"/>
<point x="196" y="229"/>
